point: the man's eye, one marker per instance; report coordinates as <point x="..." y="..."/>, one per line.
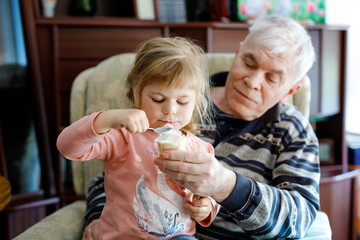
<point x="249" y="65"/>
<point x="272" y="79"/>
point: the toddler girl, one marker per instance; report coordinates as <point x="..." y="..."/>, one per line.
<point x="167" y="84"/>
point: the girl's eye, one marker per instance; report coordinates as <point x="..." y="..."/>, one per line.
<point x="183" y="102"/>
<point x="157" y="100"/>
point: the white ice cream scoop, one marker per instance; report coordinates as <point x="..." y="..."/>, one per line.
<point x="170" y="139"/>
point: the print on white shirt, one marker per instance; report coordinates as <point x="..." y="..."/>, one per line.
<point x="159" y="216"/>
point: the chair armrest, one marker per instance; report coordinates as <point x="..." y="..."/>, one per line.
<point x="320" y="229"/>
<point x="65" y="223"/>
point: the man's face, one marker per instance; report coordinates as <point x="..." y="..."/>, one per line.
<point x="257" y="81"/>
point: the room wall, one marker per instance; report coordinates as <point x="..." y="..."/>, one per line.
<point x="347" y="12"/>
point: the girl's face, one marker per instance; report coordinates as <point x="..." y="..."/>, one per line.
<point x="167" y="105"/>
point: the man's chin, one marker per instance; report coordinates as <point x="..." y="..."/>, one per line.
<point x="244" y="113"/>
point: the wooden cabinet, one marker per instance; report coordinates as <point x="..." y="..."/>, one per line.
<point x="59" y="48"/>
<point x="338" y="198"/>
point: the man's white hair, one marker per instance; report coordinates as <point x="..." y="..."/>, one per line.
<point x="282" y="35"/>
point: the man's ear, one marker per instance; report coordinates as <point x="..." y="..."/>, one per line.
<point x="292" y="90"/>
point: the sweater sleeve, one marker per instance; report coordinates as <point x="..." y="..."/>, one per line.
<point x="96" y="199"/>
<point x="289" y="205"/>
<point x="80" y="142"/>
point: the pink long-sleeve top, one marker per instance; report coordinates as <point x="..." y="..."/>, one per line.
<point x="141" y="202"/>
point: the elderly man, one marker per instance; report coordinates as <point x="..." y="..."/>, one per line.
<point x="265" y="173"/>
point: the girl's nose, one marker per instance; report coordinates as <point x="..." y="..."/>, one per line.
<point x="170" y="109"/>
<point x="173" y="109"/>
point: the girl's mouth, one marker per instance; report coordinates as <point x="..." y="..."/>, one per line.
<point x="169" y="121"/>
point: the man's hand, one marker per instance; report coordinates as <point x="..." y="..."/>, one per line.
<point x="201" y="173"/>
<point x="91" y="232"/>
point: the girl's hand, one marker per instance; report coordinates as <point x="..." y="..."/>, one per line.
<point x="134" y="120"/>
<point x="199" y="209"/>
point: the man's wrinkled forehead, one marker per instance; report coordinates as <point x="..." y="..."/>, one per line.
<point x="255" y="52"/>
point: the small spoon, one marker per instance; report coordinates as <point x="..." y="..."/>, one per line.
<point x="162" y="129"/>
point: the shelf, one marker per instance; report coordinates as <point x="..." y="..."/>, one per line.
<point x="131" y="22"/>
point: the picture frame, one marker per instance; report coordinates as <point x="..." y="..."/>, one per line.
<point x="310" y="11"/>
<point x="326" y="151"/>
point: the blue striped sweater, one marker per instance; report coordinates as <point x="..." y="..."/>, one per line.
<point x="276" y="162"/>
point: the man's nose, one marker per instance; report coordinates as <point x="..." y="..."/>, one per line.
<point x="254" y="80"/>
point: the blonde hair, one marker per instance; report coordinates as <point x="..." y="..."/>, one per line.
<point x="175" y="62"/>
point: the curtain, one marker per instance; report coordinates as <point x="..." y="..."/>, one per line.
<point x="12" y="47"/>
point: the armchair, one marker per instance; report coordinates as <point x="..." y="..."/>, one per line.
<point x="100" y="88"/>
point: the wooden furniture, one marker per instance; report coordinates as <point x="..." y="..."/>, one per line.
<point x="26" y="208"/>
<point x="5" y="194"/>
<point x="61" y="47"/>
<point x="338" y="198"/>
<point x="20" y="211"/>
<point x="33" y="196"/>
